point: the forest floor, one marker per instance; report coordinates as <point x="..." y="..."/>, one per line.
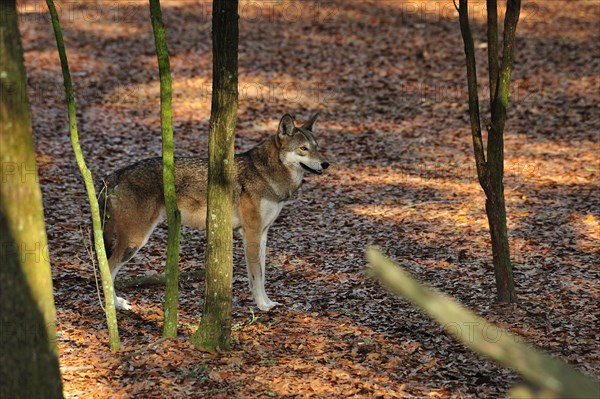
<point x="389" y="78"/>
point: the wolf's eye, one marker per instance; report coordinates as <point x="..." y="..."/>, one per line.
<point x="304" y="148"/>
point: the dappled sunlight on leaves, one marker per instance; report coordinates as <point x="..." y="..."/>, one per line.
<point x="389" y="78"/>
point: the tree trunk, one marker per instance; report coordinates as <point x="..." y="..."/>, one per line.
<point x="491" y="171"/>
<point x="28" y="352"/>
<point x="173" y="214"/>
<point x="505" y="286"/>
<point x="107" y="283"/>
<point x="495" y="206"/>
<point x="215" y="327"/>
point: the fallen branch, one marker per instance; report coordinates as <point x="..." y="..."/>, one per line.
<point x="221" y="390"/>
<point x="69" y="369"/>
<point x="482" y="336"/>
<point x="145" y="349"/>
<point x="158" y="279"/>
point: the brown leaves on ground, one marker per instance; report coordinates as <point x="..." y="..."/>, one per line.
<point x="389" y="77"/>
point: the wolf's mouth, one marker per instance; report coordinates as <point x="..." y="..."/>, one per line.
<point x="316" y="172"/>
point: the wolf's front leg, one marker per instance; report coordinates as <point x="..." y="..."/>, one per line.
<point x="255" y="245"/>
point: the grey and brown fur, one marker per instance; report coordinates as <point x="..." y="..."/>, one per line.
<point x="266" y="176"/>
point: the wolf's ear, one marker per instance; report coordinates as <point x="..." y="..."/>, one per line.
<point x="286" y="127"/>
<point x="308" y="125"/>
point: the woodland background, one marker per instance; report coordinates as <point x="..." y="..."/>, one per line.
<point x="389" y="78"/>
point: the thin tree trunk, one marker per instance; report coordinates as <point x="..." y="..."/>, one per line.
<point x="478" y="334"/>
<point x="491" y="171"/>
<point x="173" y="214"/>
<point x="492" y="40"/>
<point x="215" y="326"/>
<point x="505" y="286"/>
<point x="513" y="9"/>
<point x="107" y="283"/>
<point x="478" y="146"/>
<point x="495" y="206"/>
<point x="28" y="352"/>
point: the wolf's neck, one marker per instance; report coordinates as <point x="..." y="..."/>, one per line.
<point x="283" y="179"/>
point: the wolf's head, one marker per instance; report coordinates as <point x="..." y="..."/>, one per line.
<point x="298" y="149"/>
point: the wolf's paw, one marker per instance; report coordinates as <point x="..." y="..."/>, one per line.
<point x="122" y="304"/>
<point x="268" y="305"/>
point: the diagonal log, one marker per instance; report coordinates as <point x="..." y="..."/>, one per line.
<point x="483" y="337"/>
<point x="158" y="279"/>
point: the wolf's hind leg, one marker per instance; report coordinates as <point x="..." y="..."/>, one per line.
<point x="129" y="239"/>
<point x="122" y="253"/>
<point x="119" y="258"/>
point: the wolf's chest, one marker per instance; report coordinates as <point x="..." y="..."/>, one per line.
<point x="269" y="210"/>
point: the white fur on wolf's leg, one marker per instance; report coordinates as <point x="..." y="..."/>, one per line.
<point x="122" y="303"/>
<point x="262" y="300"/>
<point x="267" y="305"/>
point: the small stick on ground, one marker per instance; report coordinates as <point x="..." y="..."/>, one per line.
<point x="147" y="347"/>
<point x="159" y="279"/>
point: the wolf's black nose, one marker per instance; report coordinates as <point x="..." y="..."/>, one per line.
<point x="325" y="165"/>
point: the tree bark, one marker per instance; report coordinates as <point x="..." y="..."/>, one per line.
<point x="492" y="40"/>
<point x="215" y="327"/>
<point x="491" y="171"/>
<point x="495" y="206"/>
<point x="28" y="352"/>
<point x="107" y="283"/>
<point x="173" y="214"/>
<point x="483" y="337"/>
<point x="475" y="119"/>
<point x="505" y="286"/>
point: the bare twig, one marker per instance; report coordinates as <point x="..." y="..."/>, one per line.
<point x="104" y="191"/>
<point x="93" y="258"/>
<point x="220" y="390"/>
<point x="147" y="347"/>
<point x="478" y="147"/>
<point x="513" y="9"/>
<point x="69" y="369"/>
<point x="492" y="38"/>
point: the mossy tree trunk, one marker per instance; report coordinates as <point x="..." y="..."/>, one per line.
<point x="173" y="214"/>
<point x="215" y="327"/>
<point x="107" y="283"/>
<point x="491" y="171"/>
<point x="28" y="351"/>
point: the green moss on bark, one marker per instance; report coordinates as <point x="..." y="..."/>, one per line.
<point x="107" y="283"/>
<point x="173" y="214"/>
<point x="28" y="351"/>
<point x="215" y="327"/>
